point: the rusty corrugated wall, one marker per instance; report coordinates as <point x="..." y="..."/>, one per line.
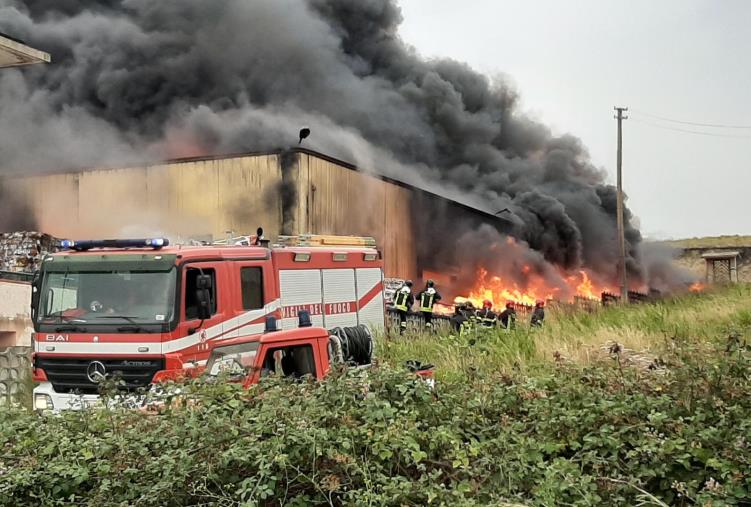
<point x="333" y="199"/>
<point x="202" y="198"/>
<point x="188" y="199"/>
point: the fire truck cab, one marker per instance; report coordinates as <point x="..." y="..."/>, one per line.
<point x="142" y="310"/>
<point x="292" y="353"/>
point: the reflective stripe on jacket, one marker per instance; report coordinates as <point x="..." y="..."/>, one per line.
<point x="401" y="299"/>
<point x="427" y="300"/>
<point x="487" y="317"/>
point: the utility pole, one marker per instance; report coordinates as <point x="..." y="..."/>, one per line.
<point x="621" y="229"/>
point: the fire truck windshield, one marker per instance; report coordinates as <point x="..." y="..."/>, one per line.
<point x="233" y="360"/>
<point x="108" y="297"/>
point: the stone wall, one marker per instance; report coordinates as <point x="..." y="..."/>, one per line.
<point x="15" y="371"/>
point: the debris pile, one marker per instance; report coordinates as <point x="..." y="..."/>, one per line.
<point x="22" y="252"/>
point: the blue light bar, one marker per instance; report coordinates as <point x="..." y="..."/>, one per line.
<point x="80" y="246"/>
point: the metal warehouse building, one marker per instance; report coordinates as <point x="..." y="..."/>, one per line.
<point x="14" y="53"/>
<point x="286" y="192"/>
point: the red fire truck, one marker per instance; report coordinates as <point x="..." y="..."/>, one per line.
<point x="142" y="310"/>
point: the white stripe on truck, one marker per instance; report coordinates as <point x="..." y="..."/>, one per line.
<point x="230" y="328"/>
<point x="219" y="329"/>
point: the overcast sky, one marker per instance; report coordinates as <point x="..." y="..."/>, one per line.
<point x="573" y="60"/>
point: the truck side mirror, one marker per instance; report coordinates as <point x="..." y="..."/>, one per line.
<point x="50" y="301"/>
<point x="36" y="288"/>
<point x="203" y="296"/>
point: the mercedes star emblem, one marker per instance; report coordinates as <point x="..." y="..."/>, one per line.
<point x="96" y="371"/>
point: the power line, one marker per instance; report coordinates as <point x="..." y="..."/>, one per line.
<point x="676" y="129"/>
<point x="695" y="124"/>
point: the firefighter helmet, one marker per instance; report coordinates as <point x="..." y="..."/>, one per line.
<point x="430" y="283"/>
<point x="509" y="304"/>
<point x="487" y="304"/>
<point x="408" y="283"/>
<point x="539" y="303"/>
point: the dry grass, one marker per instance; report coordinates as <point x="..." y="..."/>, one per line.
<point x="644" y="332"/>
<point x="711" y="242"/>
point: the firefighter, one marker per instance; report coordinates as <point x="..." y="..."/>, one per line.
<point x="471" y="312"/>
<point x="458" y="319"/>
<point x="538" y="315"/>
<point x="427" y="299"/>
<point x="403" y="301"/>
<point x="486" y="317"/>
<point x="468" y="323"/>
<point x="508" y="316"/>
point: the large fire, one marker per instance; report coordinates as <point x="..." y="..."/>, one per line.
<point x="499" y="291"/>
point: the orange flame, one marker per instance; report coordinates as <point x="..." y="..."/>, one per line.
<point x="586" y="288"/>
<point x="696" y="287"/>
<point x="499" y="291"/>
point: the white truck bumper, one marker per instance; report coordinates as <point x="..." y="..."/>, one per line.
<point x="46" y="399"/>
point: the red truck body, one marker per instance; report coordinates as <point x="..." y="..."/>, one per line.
<point x="79" y="340"/>
<point x="265" y="353"/>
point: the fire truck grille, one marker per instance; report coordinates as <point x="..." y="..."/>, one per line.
<point x="72" y="375"/>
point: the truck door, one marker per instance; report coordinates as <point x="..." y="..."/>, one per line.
<point x="293" y="359"/>
<point x="195" y="334"/>
<point x="254" y="296"/>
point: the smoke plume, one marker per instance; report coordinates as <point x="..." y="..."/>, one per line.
<point x="15" y="215"/>
<point x="136" y="80"/>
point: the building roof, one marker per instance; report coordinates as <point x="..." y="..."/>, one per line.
<point x="731" y="254"/>
<point x="14" y="53"/>
<point x="487" y="214"/>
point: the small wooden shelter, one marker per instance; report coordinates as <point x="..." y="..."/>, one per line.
<point x="721" y="267"/>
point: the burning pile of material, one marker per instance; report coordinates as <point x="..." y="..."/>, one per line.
<point x="22" y="252"/>
<point x="509" y="270"/>
<point x="500" y="291"/>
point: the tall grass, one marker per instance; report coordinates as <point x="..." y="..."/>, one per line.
<point x="581" y="337"/>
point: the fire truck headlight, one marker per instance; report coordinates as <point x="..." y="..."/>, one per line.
<point x="67" y="244"/>
<point x="43" y="402"/>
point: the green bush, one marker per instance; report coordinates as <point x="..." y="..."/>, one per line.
<point x="598" y="435"/>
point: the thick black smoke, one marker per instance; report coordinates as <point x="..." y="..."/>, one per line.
<point x="146" y="79"/>
<point x="15" y="214"/>
<point x="287" y="189"/>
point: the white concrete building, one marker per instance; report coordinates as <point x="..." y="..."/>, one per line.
<point x="15" y="313"/>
